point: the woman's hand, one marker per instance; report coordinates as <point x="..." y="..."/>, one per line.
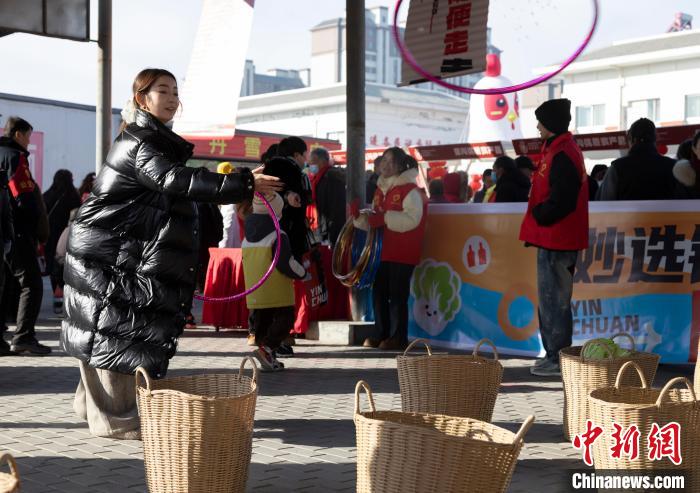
<point x="293" y="199"/>
<point x="266" y="184"/>
<point x="376" y="219"/>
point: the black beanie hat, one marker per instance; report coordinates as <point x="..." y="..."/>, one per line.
<point x="555" y="115"/>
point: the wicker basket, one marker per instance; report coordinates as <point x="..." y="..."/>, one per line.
<point x="9" y="482"/>
<point x="465" y="386"/>
<point x="642" y="407"/>
<point x="580" y="376"/>
<point x="197" y="431"/>
<point x="424" y="453"/>
<point x="696" y="377"/>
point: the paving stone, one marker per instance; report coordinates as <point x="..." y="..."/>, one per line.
<point x="304" y="437"/>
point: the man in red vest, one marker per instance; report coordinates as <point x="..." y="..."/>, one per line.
<point x="556" y="223"/>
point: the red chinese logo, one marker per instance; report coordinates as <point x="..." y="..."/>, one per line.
<point x="627" y="443"/>
<point x="587" y="439"/>
<point x="665" y="442"/>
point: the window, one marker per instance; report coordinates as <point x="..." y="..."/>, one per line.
<point x="645" y="108"/>
<point x="590" y="116"/>
<point x="692" y="106"/>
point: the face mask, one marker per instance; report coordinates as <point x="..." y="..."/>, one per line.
<point x="313" y="168"/>
<point x="494" y="178"/>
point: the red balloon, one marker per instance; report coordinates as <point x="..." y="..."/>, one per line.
<point x="437" y="164"/>
<point x="475" y="183"/>
<point x="434" y="173"/>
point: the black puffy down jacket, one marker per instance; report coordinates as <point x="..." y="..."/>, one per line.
<point x="132" y="250"/>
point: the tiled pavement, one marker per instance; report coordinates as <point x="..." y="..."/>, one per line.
<point x="304" y="434"/>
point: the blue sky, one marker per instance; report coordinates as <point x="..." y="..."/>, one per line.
<point x="532" y="33"/>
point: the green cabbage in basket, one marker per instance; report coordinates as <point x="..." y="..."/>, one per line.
<point x="604" y="348"/>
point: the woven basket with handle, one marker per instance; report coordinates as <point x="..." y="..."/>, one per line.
<point x="454" y="385"/>
<point x="696" y="377"/>
<point x="642" y="407"/>
<point x="580" y="376"/>
<point x="9" y="482"/>
<point x="197" y="431"/>
<point x="427" y="453"/>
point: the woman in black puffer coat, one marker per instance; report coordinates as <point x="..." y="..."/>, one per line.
<point x="132" y="253"/>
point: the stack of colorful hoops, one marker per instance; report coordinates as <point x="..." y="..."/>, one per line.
<point x="358" y="252"/>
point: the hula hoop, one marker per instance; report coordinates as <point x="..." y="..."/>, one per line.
<point x="410" y="59"/>
<point x="370" y="271"/>
<point x="270" y="270"/>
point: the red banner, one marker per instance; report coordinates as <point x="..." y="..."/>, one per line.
<point x="341" y="157"/>
<point x="611" y="141"/>
<point x="479" y="150"/>
<point x="246" y="146"/>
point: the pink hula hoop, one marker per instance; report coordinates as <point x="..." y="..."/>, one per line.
<point x="275" y="259"/>
<point x="408" y="57"/>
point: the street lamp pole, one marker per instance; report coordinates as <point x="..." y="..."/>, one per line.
<point x="355" y="109"/>
<point x="103" y="109"/>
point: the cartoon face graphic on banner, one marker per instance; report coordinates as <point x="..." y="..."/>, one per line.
<point x="435" y="287"/>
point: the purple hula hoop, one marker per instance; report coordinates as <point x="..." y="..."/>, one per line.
<point x="408" y="57"/>
<point x="275" y="259"/>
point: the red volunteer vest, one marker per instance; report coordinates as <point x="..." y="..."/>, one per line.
<point x="571" y="233"/>
<point x="403" y="248"/>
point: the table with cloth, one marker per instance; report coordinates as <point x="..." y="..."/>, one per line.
<point x="225" y="278"/>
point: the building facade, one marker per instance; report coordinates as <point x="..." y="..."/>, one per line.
<point x="394" y="116"/>
<point x="382" y="57"/>
<point x="274" y="80"/>
<point x="653" y="77"/>
<point x="68" y="132"/>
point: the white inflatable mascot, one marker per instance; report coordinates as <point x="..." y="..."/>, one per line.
<point x="495" y="117"/>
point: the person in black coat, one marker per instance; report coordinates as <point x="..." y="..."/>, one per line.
<point x="7" y="236"/>
<point x="511" y="184"/>
<point x="287" y="166"/>
<point x="595" y="179"/>
<point x="328" y="194"/>
<point x="28" y="217"/>
<point x="60" y="199"/>
<point x="643" y="174"/>
<point x="132" y="256"/>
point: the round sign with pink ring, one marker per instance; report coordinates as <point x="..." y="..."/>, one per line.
<point x="411" y="60"/>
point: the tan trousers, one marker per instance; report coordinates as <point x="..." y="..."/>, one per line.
<point x="107" y="401"/>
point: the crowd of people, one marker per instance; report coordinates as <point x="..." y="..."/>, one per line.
<point x="643" y="174"/>
<point x="126" y="250"/>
